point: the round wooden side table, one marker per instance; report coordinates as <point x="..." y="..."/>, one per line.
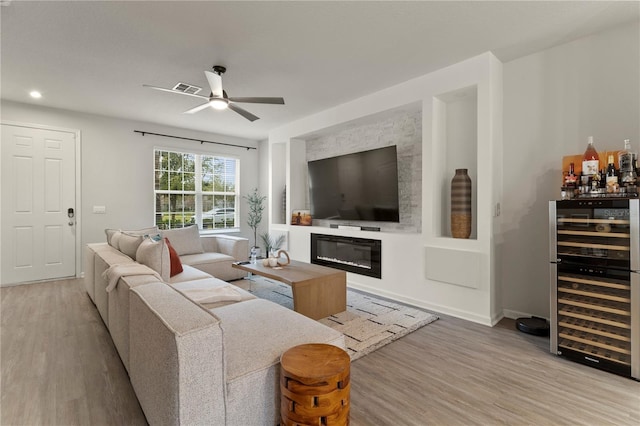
<point x="314" y="383"/>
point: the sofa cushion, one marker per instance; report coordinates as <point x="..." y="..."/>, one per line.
<point x="128" y="244"/>
<point x="247" y="349"/>
<point x="103" y="260"/>
<point x="114" y="242"/>
<point x="176" y="358"/>
<point x="185" y="240"/>
<point x="119" y="312"/>
<point x="205" y="258"/>
<point x="208" y="294"/>
<point x="215" y="264"/>
<point x="155" y="254"/>
<point x="174" y="259"/>
<point x="198" y="287"/>
<point x="255" y="334"/>
<point x="89" y="266"/>
<point x="114" y="257"/>
<point x="110" y="233"/>
<point x="189" y="273"/>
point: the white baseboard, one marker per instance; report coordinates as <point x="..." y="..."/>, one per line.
<point x="446" y="310"/>
<point x="508" y="313"/>
<point x="40" y="281"/>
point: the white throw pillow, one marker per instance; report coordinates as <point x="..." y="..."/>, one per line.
<point x="110" y="233"/>
<point x="128" y="244"/>
<point x="155" y="255"/>
<point x="185" y="240"/>
<point x="115" y="240"/>
<point x="113" y="235"/>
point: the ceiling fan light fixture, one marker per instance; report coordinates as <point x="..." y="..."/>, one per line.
<point x="219" y="104"/>
<point x="218" y="98"/>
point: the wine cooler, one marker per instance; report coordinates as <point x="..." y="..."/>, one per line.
<point x="595" y="283"/>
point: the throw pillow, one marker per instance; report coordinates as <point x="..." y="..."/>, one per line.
<point x="115" y="240"/>
<point x="156" y="256"/>
<point x="128" y="244"/>
<point x="154" y="237"/>
<point x="111" y="233"/>
<point x="174" y="259"/>
<point x="185" y="240"/>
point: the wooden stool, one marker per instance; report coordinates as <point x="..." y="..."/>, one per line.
<point x="314" y="382"/>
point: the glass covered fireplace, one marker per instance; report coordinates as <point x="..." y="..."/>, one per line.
<point x="358" y="255"/>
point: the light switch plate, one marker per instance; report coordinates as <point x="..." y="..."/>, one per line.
<point x="99" y="209"/>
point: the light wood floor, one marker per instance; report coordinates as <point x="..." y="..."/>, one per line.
<point x="59" y="367"/>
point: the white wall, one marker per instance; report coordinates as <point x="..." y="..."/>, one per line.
<point x="263" y="190"/>
<point x="554" y="100"/>
<point x="407" y="274"/>
<point x="117" y="164"/>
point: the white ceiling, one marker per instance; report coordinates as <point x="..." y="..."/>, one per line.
<point x="94" y="56"/>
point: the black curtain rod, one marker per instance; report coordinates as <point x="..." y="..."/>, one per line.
<point x="192" y="139"/>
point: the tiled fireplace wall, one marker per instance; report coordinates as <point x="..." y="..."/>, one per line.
<point x="402" y="128"/>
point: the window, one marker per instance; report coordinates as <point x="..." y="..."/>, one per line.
<point x="195" y="188"/>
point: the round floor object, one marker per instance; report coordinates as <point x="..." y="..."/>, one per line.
<point x="533" y="325"/>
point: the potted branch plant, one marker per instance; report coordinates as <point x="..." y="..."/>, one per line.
<point x="256" y="207"/>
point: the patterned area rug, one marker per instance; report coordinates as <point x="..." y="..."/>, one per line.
<point x="368" y="323"/>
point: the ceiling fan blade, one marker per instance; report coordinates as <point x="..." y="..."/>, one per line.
<point x="215" y="82"/>
<point x="175" y="91"/>
<point x="243" y="112"/>
<point x="198" y="108"/>
<point x="276" y="101"/>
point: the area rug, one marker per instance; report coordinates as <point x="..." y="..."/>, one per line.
<point x="368" y="323"/>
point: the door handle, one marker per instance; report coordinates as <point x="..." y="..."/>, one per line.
<point x="71" y="214"/>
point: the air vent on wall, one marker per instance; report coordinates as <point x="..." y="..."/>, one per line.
<point x="187" y="88"/>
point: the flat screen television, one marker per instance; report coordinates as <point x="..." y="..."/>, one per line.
<point x="356" y="187"/>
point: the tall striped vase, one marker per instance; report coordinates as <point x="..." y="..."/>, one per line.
<point x="461" y="204"/>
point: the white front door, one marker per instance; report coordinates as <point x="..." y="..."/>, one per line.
<point x="38" y="204"/>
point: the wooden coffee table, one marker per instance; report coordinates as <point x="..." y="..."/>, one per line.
<point x="318" y="291"/>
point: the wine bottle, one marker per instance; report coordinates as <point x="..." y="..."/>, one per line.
<point x="612" y="176"/>
<point x="625" y="162"/>
<point x="571" y="178"/>
<point x="603" y="178"/>
<point x="590" y="159"/>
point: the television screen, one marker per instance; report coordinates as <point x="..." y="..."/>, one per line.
<point x="361" y="186"/>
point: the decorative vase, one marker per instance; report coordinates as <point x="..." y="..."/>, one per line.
<point x="461" y="204"/>
<point x="284" y="205"/>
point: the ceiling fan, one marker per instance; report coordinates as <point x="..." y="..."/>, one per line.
<point x="219" y="99"/>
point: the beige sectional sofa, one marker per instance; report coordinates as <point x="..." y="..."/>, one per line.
<point x="212" y="254"/>
<point x="198" y="350"/>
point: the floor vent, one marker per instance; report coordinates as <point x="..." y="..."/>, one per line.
<point x="187" y="88"/>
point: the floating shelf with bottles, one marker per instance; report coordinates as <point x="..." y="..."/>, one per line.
<point x="604" y="174"/>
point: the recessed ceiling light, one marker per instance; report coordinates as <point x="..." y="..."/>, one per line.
<point x="35" y="94"/>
